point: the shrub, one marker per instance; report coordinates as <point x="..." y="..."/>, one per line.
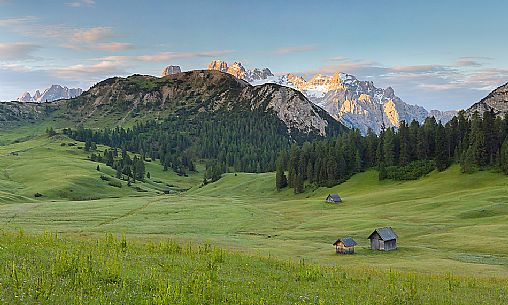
<point x="115" y="183"/>
<point x="412" y="171"/>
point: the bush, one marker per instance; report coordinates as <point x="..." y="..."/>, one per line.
<point x="412" y="171"/>
<point x="105" y="178"/>
<point x="37" y="195"/>
<point x="115" y="183"/>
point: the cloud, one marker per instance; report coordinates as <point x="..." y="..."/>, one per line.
<point x="89" y="72"/>
<point x="79" y="38"/>
<point x="10" y="22"/>
<point x="81" y="3"/>
<point x="467" y="63"/>
<point x="92" y="34"/>
<point x="295" y="49"/>
<point x="166" y="56"/>
<point x="17" y="51"/>
<point x="106" y="46"/>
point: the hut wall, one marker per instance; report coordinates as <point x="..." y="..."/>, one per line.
<point x="391" y="245"/>
<point x="341" y="249"/>
<point x="374" y="242"/>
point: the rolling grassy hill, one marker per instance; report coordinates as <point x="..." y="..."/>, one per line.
<point x="447" y="222"/>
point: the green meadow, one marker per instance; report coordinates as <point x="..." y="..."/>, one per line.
<point x="451" y="226"/>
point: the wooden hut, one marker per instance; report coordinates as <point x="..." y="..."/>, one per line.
<point x="383" y="239"/>
<point x="345" y="245"/>
<point x="333" y="198"/>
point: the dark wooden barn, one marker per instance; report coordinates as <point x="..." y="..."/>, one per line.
<point x="383" y="239"/>
<point x="345" y="245"/>
<point x="333" y="198"/>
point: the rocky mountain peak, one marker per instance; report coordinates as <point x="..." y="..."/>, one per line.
<point x="25" y="97"/>
<point x="218" y="65"/>
<point x="170" y="70"/>
<point x="37" y="95"/>
<point x="53" y="93"/>
<point x="257" y="74"/>
<point x="389" y="92"/>
<point x="237" y="70"/>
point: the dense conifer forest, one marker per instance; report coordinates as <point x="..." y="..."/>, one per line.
<point x="407" y="153"/>
<point x="239" y="142"/>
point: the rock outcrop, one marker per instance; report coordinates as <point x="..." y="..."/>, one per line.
<point x="218" y="65"/>
<point x="496" y="101"/>
<point x="170" y="70"/>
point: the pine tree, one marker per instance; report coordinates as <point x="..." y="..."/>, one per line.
<point x="280" y="177"/>
<point x="118" y="172"/>
<point x="467" y="164"/>
<point x="405" y="150"/>
<point x="98" y="168"/>
<point x="382" y="171"/>
<point x="503" y="157"/>
<point x="441" y="150"/>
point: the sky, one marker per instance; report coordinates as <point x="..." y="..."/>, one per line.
<point x="438" y="54"/>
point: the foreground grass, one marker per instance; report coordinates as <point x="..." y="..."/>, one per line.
<point x="46" y="269"/>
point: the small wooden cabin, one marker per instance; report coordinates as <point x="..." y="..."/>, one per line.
<point x="345" y="245"/>
<point x="333" y="198"/>
<point x="383" y="239"/>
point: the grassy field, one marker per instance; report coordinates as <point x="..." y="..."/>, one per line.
<point x="109" y="270"/>
<point x="449" y="224"/>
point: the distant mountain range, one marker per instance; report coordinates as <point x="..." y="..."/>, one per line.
<point x="53" y="93"/>
<point x="355" y="103"/>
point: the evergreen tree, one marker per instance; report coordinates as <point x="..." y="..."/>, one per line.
<point x="441" y="151"/>
<point x="405" y="149"/>
<point x="382" y="171"/>
<point x="503" y="156"/>
<point x="280" y="177"/>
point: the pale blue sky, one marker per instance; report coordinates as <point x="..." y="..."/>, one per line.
<point x="439" y="54"/>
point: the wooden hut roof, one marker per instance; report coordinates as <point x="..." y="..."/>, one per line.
<point x="347" y="241"/>
<point x="385" y="233"/>
<point x="335" y="197"/>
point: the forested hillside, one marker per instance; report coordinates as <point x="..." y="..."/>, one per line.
<point x="404" y="154"/>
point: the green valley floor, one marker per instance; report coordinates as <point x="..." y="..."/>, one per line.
<point x="449" y="224"/>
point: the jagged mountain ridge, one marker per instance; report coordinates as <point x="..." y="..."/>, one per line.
<point x="53" y="93"/>
<point x="496" y="101"/>
<point x="238" y="70"/>
<point x="197" y="92"/>
<point x="356" y="104"/>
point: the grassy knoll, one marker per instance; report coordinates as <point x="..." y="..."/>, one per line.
<point x="46" y="269"/>
<point x="49" y="166"/>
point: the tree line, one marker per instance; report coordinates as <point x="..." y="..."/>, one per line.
<point x="405" y="153"/>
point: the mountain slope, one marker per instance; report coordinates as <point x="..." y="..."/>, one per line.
<point x="497" y="101"/>
<point x="122" y="99"/>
